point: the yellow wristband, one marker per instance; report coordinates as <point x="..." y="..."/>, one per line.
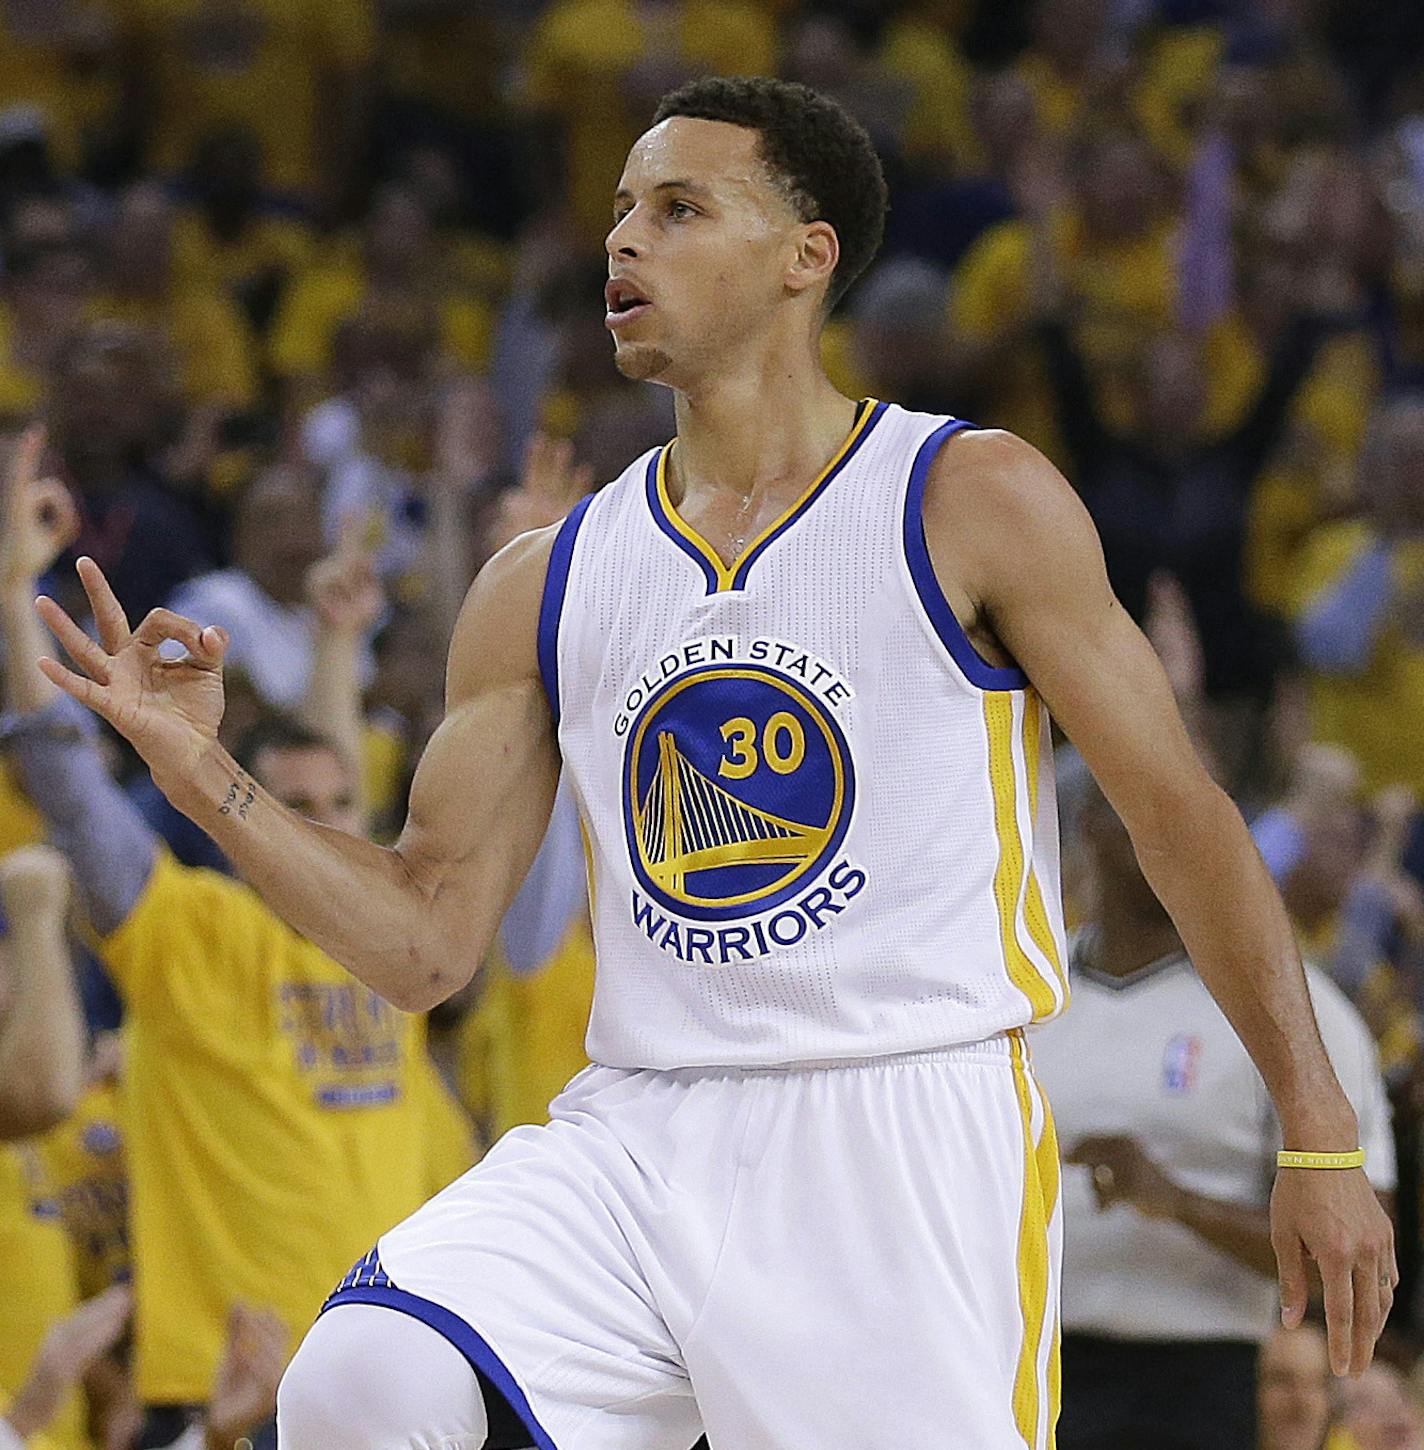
<point x="1286" y="1158"/>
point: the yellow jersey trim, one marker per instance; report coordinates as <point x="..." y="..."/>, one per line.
<point x="1009" y="871"/>
<point x="724" y="576"/>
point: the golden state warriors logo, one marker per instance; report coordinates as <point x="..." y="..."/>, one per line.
<point x="738" y="791"/>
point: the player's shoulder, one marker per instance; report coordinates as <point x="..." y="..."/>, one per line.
<point x="989" y="492"/>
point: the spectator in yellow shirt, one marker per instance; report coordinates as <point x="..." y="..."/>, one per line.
<point x="47" y="283"/>
<point x="400" y="279"/>
<point x="293" y="72"/>
<point x="230" y="239"/>
<point x="278" y="1112"/>
<point x="597" y="67"/>
<point x="139" y="284"/>
<point x="1359" y="608"/>
<point x="1106" y="231"/>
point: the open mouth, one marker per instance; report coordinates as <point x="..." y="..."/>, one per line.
<point x="625" y="302"/>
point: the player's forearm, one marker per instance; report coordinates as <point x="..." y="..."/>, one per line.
<point x="356" y="900"/>
<point x="1234" y="1228"/>
<point x="1199" y="858"/>
<point x="42" y="1038"/>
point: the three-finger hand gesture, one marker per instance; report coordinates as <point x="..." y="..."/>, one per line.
<point x="38" y="518"/>
<point x="168" y="709"/>
<point x="1333" y="1217"/>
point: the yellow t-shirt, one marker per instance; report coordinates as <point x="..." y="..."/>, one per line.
<point x="210" y="338"/>
<point x="939" y="127"/>
<point x="524" y="1040"/>
<point x="577" y="59"/>
<point x="85" y="1173"/>
<point x="276" y="1111"/>
<point x="268" y="245"/>
<point x="254" y="63"/>
<point x="1126" y="289"/>
<point x="40" y="1284"/>
<point x="20" y="823"/>
<point x="1374" y="713"/>
<point x="320" y="300"/>
<point x="65" y="58"/>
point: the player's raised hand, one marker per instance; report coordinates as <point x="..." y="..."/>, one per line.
<point x="38" y="519"/>
<point x="168" y="709"/>
<point x="1333" y="1217"/>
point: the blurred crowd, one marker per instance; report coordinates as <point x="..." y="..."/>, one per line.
<point x="301" y="318"/>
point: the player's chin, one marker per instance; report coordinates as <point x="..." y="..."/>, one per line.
<point x="642" y="362"/>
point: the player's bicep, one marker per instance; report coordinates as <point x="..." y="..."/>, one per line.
<point x="482" y="793"/>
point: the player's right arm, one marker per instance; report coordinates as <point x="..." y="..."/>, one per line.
<point x="413" y="920"/>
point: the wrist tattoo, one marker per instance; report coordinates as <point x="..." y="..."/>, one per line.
<point x="241" y="792"/>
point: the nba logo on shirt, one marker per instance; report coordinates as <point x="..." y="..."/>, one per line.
<point x="1179" y="1063"/>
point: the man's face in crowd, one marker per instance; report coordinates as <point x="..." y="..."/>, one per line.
<point x="1293" y="1390"/>
<point x="315" y="782"/>
<point x="1378" y="1412"/>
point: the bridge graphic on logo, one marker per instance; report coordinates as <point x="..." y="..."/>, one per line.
<point x="687" y="822"/>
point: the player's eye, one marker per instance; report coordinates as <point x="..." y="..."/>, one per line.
<point x="680" y="210"/>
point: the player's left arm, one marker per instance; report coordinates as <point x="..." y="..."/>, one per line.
<point x="1030" y="575"/>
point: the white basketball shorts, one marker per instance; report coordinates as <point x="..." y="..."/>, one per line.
<point x="861" y="1254"/>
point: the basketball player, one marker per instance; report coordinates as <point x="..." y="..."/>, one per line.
<point x="796" y="665"/>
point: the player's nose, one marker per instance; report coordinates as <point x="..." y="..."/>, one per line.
<point x="623" y="240"/>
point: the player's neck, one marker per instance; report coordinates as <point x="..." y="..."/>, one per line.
<point x="1130" y="935"/>
<point x="759" y="429"/>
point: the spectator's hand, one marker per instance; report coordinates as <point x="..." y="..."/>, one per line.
<point x="34" y="883"/>
<point x="344" y="588"/>
<point x="468" y="434"/>
<point x="245" y="1389"/>
<point x="70" y="1347"/>
<point x="1122" y="1172"/>
<point x="1333" y="1217"/>
<point x="169" y="710"/>
<point x="1172" y="629"/>
<point x="550" y="485"/>
<point x="38" y="519"/>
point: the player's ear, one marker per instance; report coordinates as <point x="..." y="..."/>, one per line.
<point x="818" y="250"/>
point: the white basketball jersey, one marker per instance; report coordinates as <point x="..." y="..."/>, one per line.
<point x="820" y="826"/>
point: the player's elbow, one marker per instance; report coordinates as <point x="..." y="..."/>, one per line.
<point x="429" y="973"/>
<point x="1173" y="812"/>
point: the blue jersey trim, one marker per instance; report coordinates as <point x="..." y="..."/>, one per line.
<point x="660" y="518"/>
<point x="975" y="668"/>
<point x="450" y="1326"/>
<point x="551" y="606"/>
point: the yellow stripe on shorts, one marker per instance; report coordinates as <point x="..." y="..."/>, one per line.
<point x="1040" y="1194"/>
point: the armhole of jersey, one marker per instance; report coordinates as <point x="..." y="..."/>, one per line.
<point x="972" y="665"/>
<point x="551" y="606"/>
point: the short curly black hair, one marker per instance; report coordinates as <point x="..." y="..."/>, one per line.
<point x="813" y="146"/>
